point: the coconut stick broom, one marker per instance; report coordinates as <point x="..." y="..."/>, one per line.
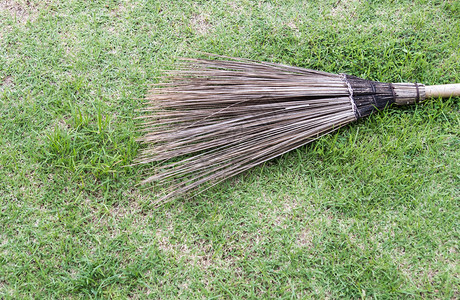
<point x="214" y="119"/>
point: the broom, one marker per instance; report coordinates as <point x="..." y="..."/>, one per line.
<point x="217" y="118"/>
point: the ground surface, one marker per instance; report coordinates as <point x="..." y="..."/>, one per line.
<point x="371" y="211"/>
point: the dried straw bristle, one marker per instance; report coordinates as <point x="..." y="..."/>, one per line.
<point x="217" y="118"/>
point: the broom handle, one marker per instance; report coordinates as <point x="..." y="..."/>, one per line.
<point x="443" y="91"/>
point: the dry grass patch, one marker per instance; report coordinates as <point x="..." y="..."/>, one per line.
<point x="7" y="83"/>
<point x="201" y="24"/>
<point x="344" y="9"/>
<point x="20" y="11"/>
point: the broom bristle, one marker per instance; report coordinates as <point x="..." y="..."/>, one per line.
<point x="218" y="118"/>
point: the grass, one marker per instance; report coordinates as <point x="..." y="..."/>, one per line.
<point x="368" y="212"/>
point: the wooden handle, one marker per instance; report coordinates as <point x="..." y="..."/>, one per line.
<point x="443" y="91"/>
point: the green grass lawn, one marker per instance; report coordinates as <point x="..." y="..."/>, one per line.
<point x="371" y="211"/>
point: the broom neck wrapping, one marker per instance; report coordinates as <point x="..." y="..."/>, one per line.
<point x="408" y="93"/>
<point x="368" y="96"/>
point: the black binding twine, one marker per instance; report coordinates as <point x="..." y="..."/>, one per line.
<point x="373" y="92"/>
<point x="417" y="100"/>
<point x="392" y="91"/>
